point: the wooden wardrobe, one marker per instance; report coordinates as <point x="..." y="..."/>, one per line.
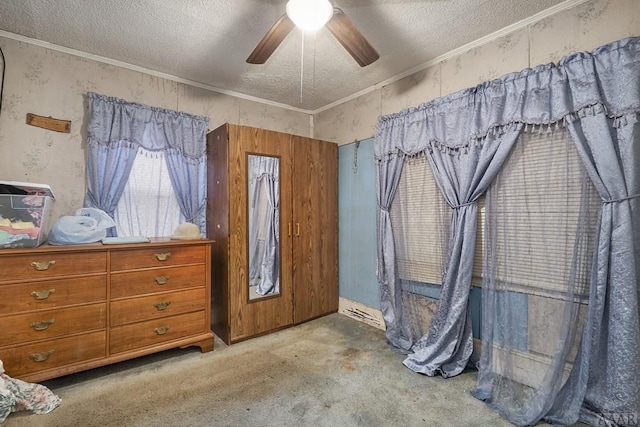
<point x="307" y="229"/>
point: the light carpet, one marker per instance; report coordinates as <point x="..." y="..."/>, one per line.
<point x="333" y="371"/>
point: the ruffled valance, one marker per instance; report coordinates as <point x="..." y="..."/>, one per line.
<point x="114" y="120"/>
<point x="605" y="80"/>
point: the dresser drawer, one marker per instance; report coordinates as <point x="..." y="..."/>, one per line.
<point x="49" y="265"/>
<point x="156" y="306"/>
<point x="144" y="334"/>
<point x="21" y="328"/>
<point x="158" y="280"/>
<point x="157" y="257"/>
<point x="46" y="294"/>
<point x="31" y="358"/>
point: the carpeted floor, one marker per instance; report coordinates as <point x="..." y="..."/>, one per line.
<point x="332" y="371"/>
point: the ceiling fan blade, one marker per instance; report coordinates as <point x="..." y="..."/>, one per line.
<point x="271" y="40"/>
<point x="353" y="41"/>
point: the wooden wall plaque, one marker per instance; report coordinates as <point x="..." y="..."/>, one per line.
<point x="49" y="123"/>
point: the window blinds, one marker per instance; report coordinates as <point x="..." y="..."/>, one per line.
<point x="540" y="200"/>
<point x="539" y="195"/>
<point x="420" y="218"/>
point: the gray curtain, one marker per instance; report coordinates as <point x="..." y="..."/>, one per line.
<point x="610" y="150"/>
<point x="463" y="167"/>
<point x="117" y="128"/>
<point x="447" y="346"/>
<point x="389" y="168"/>
<point x="265" y="222"/>
<point x="108" y="168"/>
<point x="601" y="86"/>
<point x="256" y="248"/>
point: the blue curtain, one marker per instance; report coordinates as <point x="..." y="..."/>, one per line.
<point x="467" y="136"/>
<point x="117" y="128"/>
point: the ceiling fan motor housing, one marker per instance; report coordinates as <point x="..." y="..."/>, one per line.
<point x="309" y="15"/>
<point x="337" y="22"/>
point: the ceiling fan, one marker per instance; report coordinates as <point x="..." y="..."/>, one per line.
<point x="310" y="15"/>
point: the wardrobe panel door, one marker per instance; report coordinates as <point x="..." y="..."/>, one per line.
<point x="218" y="227"/>
<point x="315" y="216"/>
<point x="255" y="316"/>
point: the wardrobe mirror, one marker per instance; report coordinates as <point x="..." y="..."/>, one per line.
<point x="264" y="225"/>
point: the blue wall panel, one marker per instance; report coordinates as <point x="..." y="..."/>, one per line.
<point x="357" y="223"/>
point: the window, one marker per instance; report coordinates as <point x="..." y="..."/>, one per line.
<point x="152" y="141"/>
<point x="420" y="218"/>
<point x="539" y="203"/>
<point x="148" y="206"/>
<point x="538" y="199"/>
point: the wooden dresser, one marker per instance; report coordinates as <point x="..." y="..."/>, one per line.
<point x="65" y="309"/>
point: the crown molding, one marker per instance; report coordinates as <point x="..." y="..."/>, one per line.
<point x="154" y="73"/>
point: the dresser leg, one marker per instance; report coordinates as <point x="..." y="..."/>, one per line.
<point x="205" y="345"/>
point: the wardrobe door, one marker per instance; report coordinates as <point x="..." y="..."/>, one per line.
<point x="218" y="227"/>
<point x="315" y="228"/>
<point x="254" y="312"/>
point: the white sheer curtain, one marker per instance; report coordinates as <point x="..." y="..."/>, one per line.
<point x="148" y="206"/>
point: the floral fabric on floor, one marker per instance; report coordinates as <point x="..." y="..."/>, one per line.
<point x="17" y="395"/>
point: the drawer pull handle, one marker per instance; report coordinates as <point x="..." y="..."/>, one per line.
<point x="161" y="280"/>
<point x="41" y="266"/>
<point x="161" y="331"/>
<point x="162" y="306"/>
<point x="41" y="326"/>
<point x="42" y="295"/>
<point x="163" y="257"/>
<point x="41" y="357"/>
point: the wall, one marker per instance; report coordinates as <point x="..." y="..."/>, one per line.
<point x="52" y="83"/>
<point x="357" y="237"/>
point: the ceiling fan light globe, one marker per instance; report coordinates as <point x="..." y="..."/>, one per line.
<point x="309" y="15"/>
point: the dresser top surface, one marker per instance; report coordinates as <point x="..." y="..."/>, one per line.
<point x="90" y="247"/>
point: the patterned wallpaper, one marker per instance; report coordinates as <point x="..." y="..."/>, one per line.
<point x="581" y="28"/>
<point x="52" y="83"/>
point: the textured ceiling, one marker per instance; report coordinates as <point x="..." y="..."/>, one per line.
<point x="208" y="41"/>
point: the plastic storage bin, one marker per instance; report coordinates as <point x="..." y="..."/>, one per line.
<point x="25" y="212"/>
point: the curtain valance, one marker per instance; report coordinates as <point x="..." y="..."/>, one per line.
<point x="115" y="120"/>
<point x="604" y="80"/>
